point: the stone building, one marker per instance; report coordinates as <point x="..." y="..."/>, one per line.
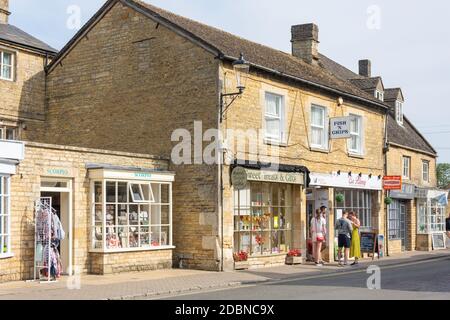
<point x="141" y="98"/>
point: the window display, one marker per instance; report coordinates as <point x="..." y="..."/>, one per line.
<point x="359" y="201"/>
<point x="131" y="215"/>
<point x="263" y="218"/>
<point x="430" y="217"/>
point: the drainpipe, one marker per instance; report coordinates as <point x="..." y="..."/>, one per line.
<point x="386" y="213"/>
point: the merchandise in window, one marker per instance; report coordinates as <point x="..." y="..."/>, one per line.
<point x="431" y="217"/>
<point x="131" y="215"/>
<point x="5" y="240"/>
<point x="263" y="218"/>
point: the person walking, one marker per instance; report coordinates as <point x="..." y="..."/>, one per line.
<point x="344" y="230"/>
<point x="318" y="236"/>
<point x="447" y="228"/>
<point x="355" y="248"/>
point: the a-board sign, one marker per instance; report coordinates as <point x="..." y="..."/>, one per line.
<point x="369" y="243"/>
<point x="438" y="241"/>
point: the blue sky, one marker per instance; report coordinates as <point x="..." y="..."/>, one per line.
<point x="409" y="44"/>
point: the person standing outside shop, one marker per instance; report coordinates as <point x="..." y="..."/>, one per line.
<point x="318" y="236"/>
<point x="344" y="230"/>
<point x="355" y="248"/>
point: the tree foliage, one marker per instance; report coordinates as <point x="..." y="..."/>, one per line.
<point x="443" y="175"/>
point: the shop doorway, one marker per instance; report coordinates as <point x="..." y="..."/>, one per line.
<point x="403" y="225"/>
<point x="61" y="195"/>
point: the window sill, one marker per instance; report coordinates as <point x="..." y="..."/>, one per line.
<point x="108" y="251"/>
<point x="275" y="143"/>
<point x="356" y="155"/>
<point x="6" y="256"/>
<point x="317" y="149"/>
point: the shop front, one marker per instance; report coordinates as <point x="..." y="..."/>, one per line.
<point x="114" y="210"/>
<point x="401" y="221"/>
<point x="267" y="215"/>
<point x="344" y="191"/>
<point x="431" y="214"/>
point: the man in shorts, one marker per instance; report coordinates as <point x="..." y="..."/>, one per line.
<point x="344" y="230"/>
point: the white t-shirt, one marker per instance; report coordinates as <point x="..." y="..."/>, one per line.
<point x="318" y="226"/>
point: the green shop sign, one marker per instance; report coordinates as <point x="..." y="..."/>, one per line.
<point x="274" y="176"/>
<point x="142" y="175"/>
<point x="57" y="172"/>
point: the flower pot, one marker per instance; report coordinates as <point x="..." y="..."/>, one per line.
<point x="241" y="265"/>
<point x="293" y="260"/>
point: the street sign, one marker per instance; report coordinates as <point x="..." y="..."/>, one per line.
<point x="340" y="128"/>
<point x="392" y="183"/>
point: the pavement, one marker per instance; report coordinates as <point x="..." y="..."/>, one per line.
<point x="179" y="282"/>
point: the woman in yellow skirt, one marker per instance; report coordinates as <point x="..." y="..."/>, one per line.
<point x="355" y="248"/>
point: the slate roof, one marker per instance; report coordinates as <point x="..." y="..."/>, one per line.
<point x="366" y="83"/>
<point x="393" y="94"/>
<point x="14" y="35"/>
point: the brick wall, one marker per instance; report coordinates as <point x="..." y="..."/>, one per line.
<point x="25" y="190"/>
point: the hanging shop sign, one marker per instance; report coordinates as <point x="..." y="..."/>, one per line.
<point x="239" y="178"/>
<point x="340" y="127"/>
<point x="346" y="181"/>
<point x="266" y="176"/>
<point x="407" y="192"/>
<point x="392" y="183"/>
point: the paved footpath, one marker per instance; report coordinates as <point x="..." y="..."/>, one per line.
<point x="172" y="282"/>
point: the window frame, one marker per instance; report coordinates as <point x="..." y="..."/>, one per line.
<point x="2" y="53"/>
<point x="408" y="177"/>
<point x="427" y="172"/>
<point x="5" y="214"/>
<point x="379" y="95"/>
<point x="323" y="127"/>
<point x="104" y="227"/>
<point x="399" y="112"/>
<point x="269" y="116"/>
<point x="359" y="135"/>
<point x="4" y="131"/>
<point x="359" y="201"/>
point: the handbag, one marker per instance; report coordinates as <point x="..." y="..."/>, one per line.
<point x="320" y="237"/>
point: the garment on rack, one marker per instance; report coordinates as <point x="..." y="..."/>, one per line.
<point x="57" y="229"/>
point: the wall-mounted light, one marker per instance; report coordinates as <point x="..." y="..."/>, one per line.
<point x="241" y="70"/>
<point x="340" y="101"/>
<point x="360" y="174"/>
<point x="379" y="177"/>
<point x="339" y="172"/>
<point x="370" y="176"/>
<point x="350" y="174"/>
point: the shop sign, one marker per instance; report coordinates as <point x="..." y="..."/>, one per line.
<point x="392" y="183"/>
<point x="340" y="128"/>
<point x="142" y="175"/>
<point x="269" y="176"/>
<point x="345" y="181"/>
<point x="407" y="192"/>
<point x="239" y="178"/>
<point x="57" y="172"/>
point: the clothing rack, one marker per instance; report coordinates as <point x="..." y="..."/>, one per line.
<point x="46" y="256"/>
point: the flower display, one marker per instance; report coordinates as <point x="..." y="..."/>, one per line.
<point x="240" y="256"/>
<point x="294" y="253"/>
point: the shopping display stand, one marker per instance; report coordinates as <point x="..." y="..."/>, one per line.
<point x="42" y="240"/>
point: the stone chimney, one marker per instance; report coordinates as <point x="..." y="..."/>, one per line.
<point x="305" y="42"/>
<point x="4" y="13"/>
<point x="365" y="68"/>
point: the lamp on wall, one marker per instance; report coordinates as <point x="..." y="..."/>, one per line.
<point x="350" y="174"/>
<point x="339" y="172"/>
<point x="370" y="176"/>
<point x="241" y="70"/>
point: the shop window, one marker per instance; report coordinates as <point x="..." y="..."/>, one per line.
<point x="5" y="240"/>
<point x="319" y="128"/>
<point x="130" y="215"/>
<point x="6" y="66"/>
<point x="430" y="217"/>
<point x="358" y="201"/>
<point x="263" y="218"/>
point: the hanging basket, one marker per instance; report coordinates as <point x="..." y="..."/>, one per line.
<point x="388" y="200"/>
<point x="339" y="198"/>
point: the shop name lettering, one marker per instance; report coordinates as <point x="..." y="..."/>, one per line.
<point x="142" y="175"/>
<point x="60" y="172"/>
<point x="271" y="177"/>
<point x="357" y="182"/>
<point x="340" y="130"/>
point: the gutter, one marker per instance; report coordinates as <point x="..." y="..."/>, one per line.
<point x="413" y="149"/>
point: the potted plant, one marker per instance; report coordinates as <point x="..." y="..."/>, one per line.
<point x="294" y="257"/>
<point x="388" y="200"/>
<point x="241" y="260"/>
<point x="339" y="198"/>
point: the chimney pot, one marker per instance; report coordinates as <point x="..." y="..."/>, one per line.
<point x="305" y="42"/>
<point x="365" y="68"/>
<point x="4" y="11"/>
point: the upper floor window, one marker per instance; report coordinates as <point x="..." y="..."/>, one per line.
<point x="399" y="112"/>
<point x="356" y="132"/>
<point x="319" y="130"/>
<point x="274" y="117"/>
<point x="426" y="171"/>
<point x="6" y="65"/>
<point x="379" y="95"/>
<point x="406" y="167"/>
<point x="8" y="133"/>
